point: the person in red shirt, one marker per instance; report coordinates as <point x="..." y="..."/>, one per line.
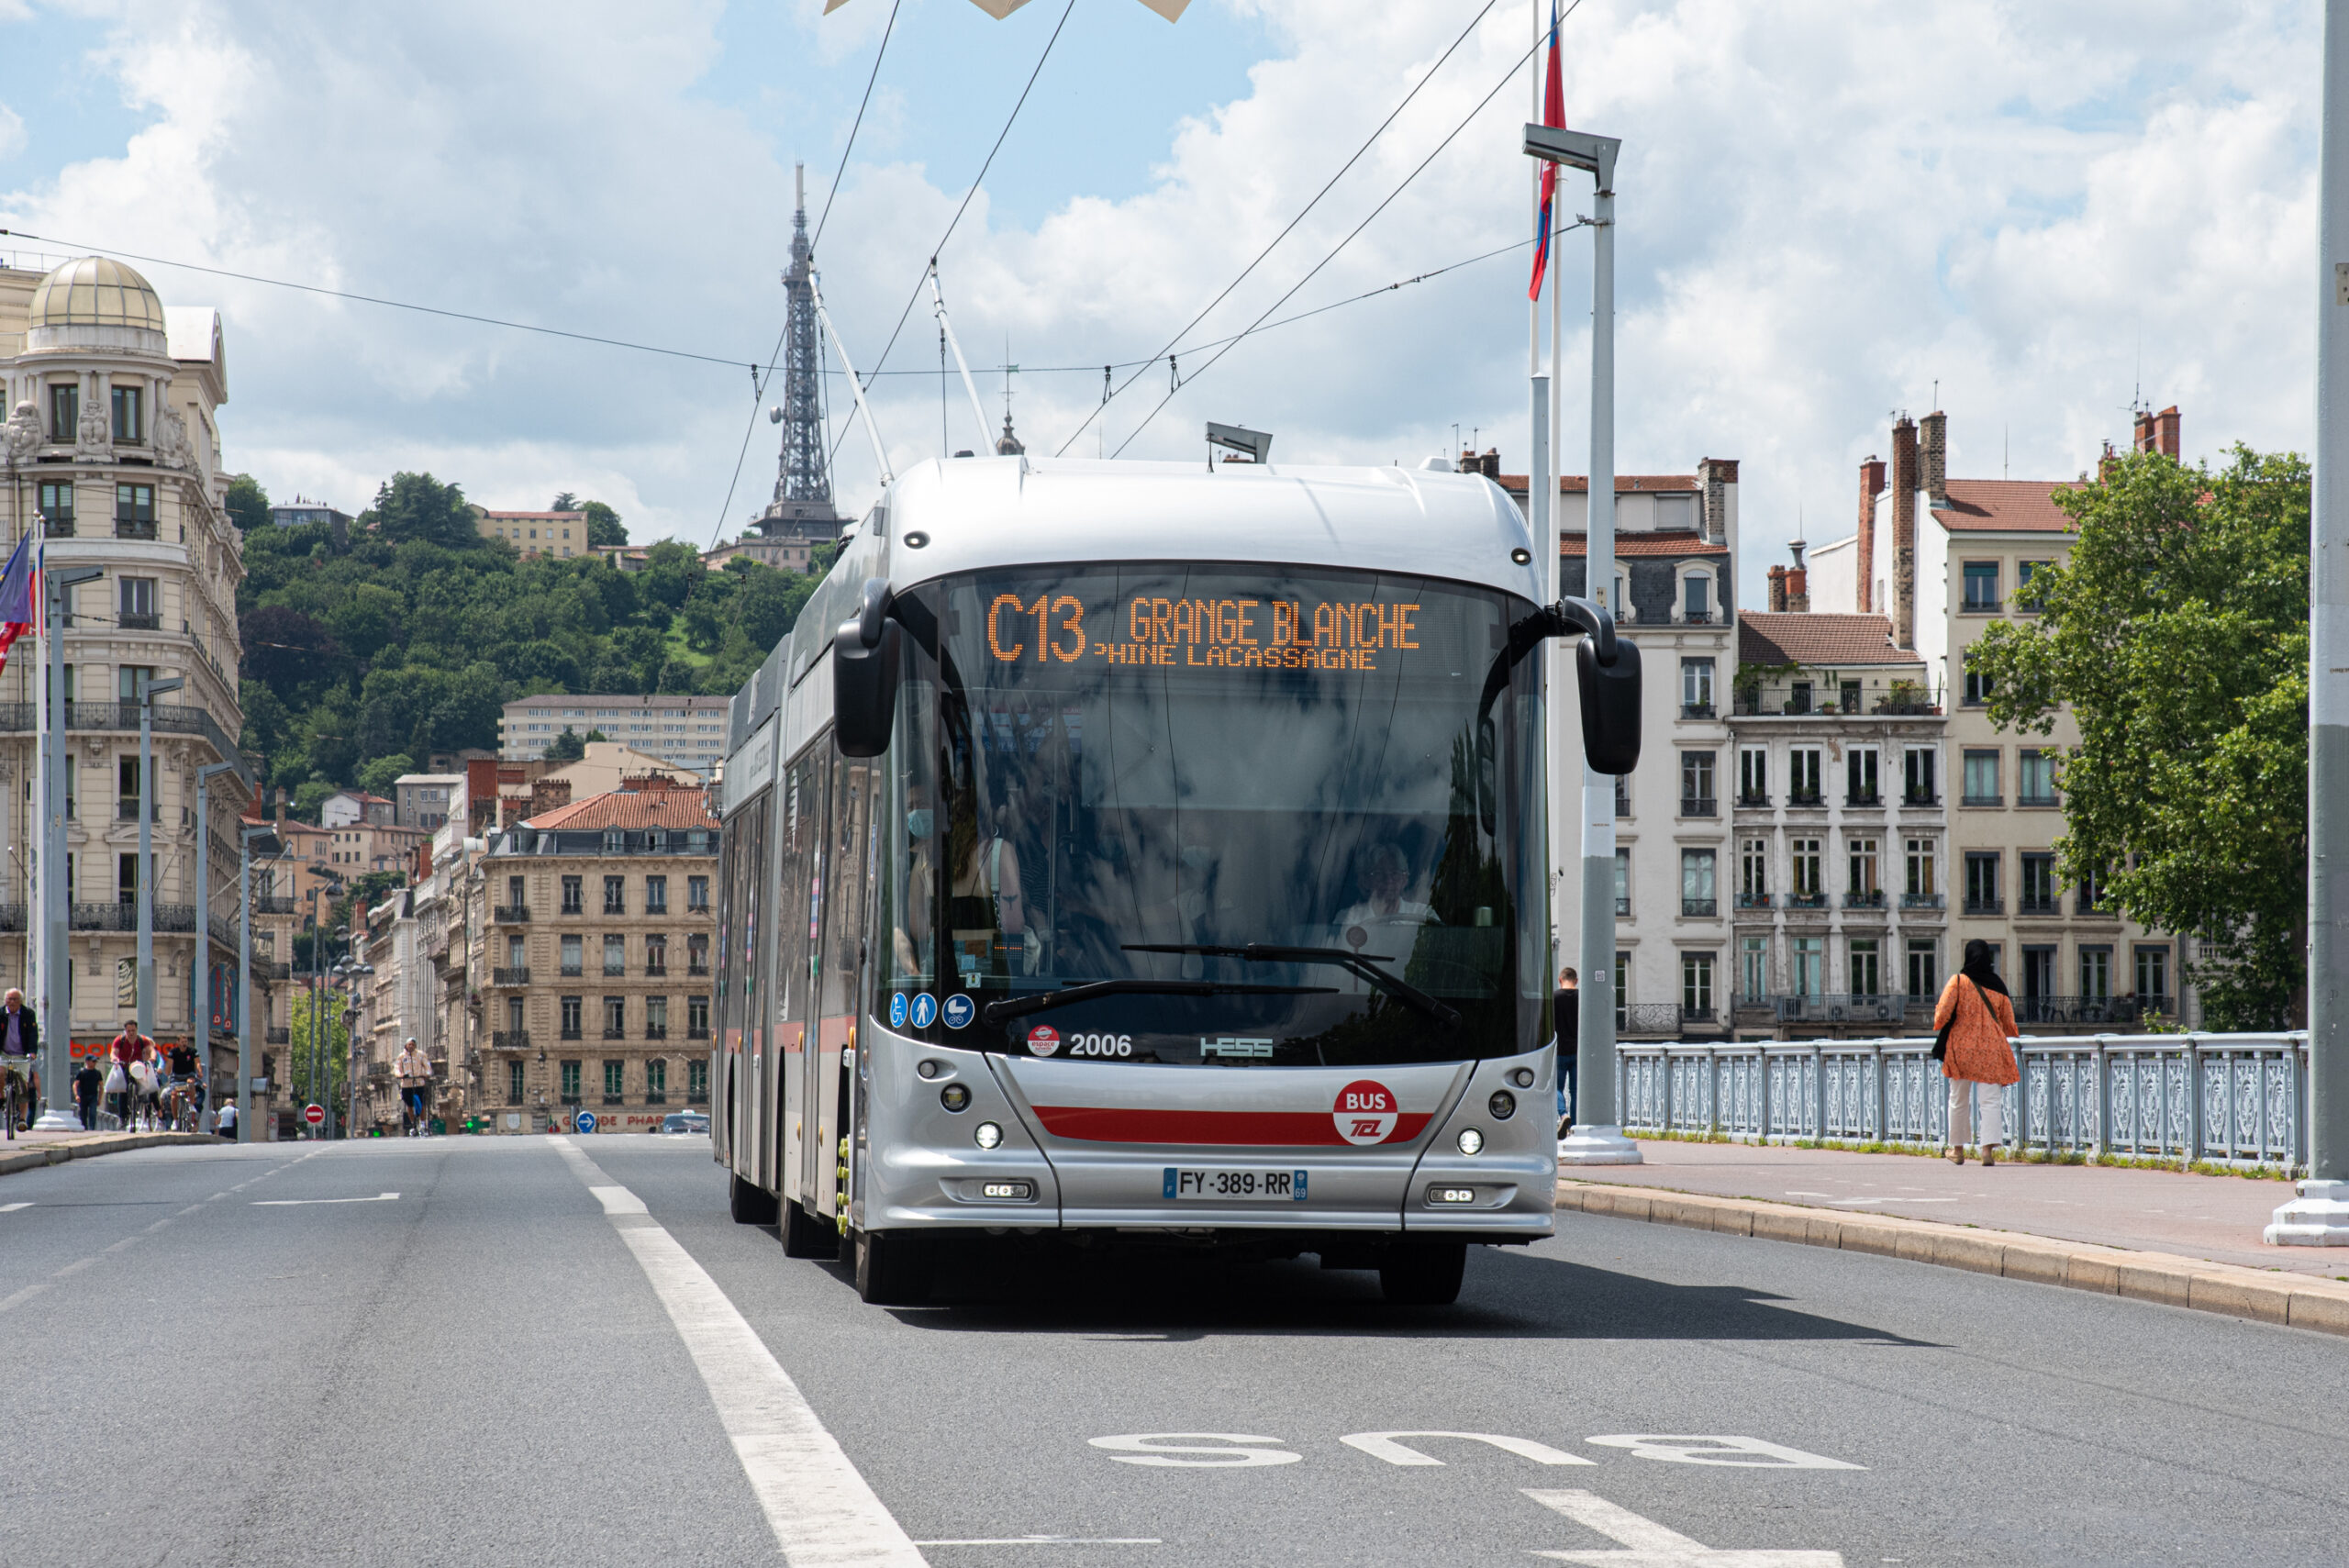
<point x="129" y="1047"/>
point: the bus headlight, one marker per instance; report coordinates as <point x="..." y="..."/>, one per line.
<point x="1471" y="1141"/>
<point x="987" y="1134"/>
<point x="1503" y="1105"/>
<point x="955" y="1097"/>
<point x="1522" y="1077"/>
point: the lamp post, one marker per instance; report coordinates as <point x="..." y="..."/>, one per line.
<point x="56" y="897"/>
<point x="147" y="848"/>
<point x="248" y="838"/>
<point x="199" y="1018"/>
<point x="1597" y="1140"/>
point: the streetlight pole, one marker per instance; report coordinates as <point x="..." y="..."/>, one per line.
<point x="56" y="896"/>
<point x="2319" y="1217"/>
<point x="199" y="1016"/>
<point x="1597" y="1140"/>
<point x="147" y="848"/>
<point x="248" y="836"/>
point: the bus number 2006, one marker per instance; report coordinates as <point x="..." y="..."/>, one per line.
<point x="1101" y="1045"/>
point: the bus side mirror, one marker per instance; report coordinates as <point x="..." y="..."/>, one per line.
<point x="1611" y="706"/>
<point x="864" y="674"/>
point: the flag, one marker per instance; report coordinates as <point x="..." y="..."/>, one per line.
<point x="19" y="596"/>
<point x="1554" y="113"/>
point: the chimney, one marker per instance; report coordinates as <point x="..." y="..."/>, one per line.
<point x="1717" y="478"/>
<point x="2142" y="434"/>
<point x="281" y="807"/>
<point x="548" y="795"/>
<point x="2166" y="436"/>
<point x="1904" y="533"/>
<point x="1778" y="589"/>
<point x="1871" y="484"/>
<point x="2106" y="464"/>
<point x="1799" y="591"/>
<point x="1492" y="463"/>
<point x="1934" y="479"/>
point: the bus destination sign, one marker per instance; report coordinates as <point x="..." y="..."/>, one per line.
<point x="1221" y="633"/>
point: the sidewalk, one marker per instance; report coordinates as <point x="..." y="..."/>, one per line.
<point x="30" y="1150"/>
<point x="2217" y="1219"/>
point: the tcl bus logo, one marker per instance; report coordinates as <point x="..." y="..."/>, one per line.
<point x="1365" y="1112"/>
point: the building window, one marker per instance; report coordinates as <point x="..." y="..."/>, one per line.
<point x="615" y="956"/>
<point x="1696" y="688"/>
<point x="1978" y="687"/>
<point x="656" y="1017"/>
<point x="1753" y="776"/>
<point x="2038" y="979"/>
<point x="1698" y="895"/>
<point x="1867" y="978"/>
<point x="2028" y="598"/>
<point x="571" y="897"/>
<point x="696" y="893"/>
<point x="138" y="604"/>
<point x="1622" y="794"/>
<point x="574" y="962"/>
<point x="1754" y="968"/>
<point x="1981" y="778"/>
<point x="1860" y="863"/>
<point x="57" y="506"/>
<point x="2092" y="893"/>
<point x="1697" y="598"/>
<point x="2153" y="978"/>
<point x="1811" y="965"/>
<point x="656" y="954"/>
<point x="1982" y="881"/>
<point x="1847" y="696"/>
<point x="2035" y="777"/>
<point x="127" y="424"/>
<point x="616" y="896"/>
<point x="1754" y="873"/>
<point x="1925" y="967"/>
<point x="698" y="1082"/>
<point x="615" y="1018"/>
<point x="2036" y="892"/>
<point x="1916" y="784"/>
<point x="697" y="1018"/>
<point x="1806" y="869"/>
<point x="135" y="505"/>
<point x="697" y="953"/>
<point x="570" y="1082"/>
<point x="514" y="1082"/>
<point x="1799" y="696"/>
<point x="1981" y="587"/>
<point x="1622" y="882"/>
<point x="571" y="1008"/>
<point x="656" y="896"/>
<point x="2095" y="975"/>
<point x="656" y="1082"/>
<point x="1802" y="776"/>
<point x="1859" y="776"/>
<point x="615" y="1081"/>
<point x="131" y="681"/>
<point x="64" y="411"/>
<point x="1697" y="783"/>
<point x="1695" y="988"/>
<point x="1925" y="881"/>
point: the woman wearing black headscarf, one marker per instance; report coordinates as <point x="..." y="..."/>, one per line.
<point x="1976" y="1018"/>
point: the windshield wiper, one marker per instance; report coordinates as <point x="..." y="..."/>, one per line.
<point x="1020" y="1007"/>
<point x="1357" y="963"/>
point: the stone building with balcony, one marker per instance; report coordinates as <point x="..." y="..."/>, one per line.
<point x="599" y="934"/>
<point x="111" y="450"/>
<point x="1839" y="825"/>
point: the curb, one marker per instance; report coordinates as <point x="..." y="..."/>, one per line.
<point x="2298" y="1301"/>
<point x="58" y="1153"/>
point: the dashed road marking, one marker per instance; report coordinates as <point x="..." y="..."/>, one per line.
<point x="1048" y="1540"/>
<point x="309" y="1202"/>
<point x="12" y="1208"/>
<point x="1643" y="1543"/>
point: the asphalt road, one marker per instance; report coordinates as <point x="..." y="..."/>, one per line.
<point x="254" y="1357"/>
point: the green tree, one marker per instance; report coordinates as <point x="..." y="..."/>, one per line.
<point x="567" y="747"/>
<point x="564" y="501"/>
<point x="310" y="794"/>
<point x="316" y="1061"/>
<point x="604" y="529"/>
<point x="416" y="507"/>
<point x="378" y="776"/>
<point x="247" y="502"/>
<point x="2177" y="635"/>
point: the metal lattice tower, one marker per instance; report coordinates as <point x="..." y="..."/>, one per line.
<point x="804" y="475"/>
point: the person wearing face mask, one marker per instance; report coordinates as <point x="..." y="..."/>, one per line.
<point x="913" y="942"/>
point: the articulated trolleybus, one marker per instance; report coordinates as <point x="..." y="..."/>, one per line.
<point x="1127" y="854"/>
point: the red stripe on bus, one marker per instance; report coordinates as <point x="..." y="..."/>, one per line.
<point x="1260" y="1129"/>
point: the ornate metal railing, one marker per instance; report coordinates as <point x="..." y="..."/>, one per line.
<point x="2235" y="1099"/>
<point x="1847" y="1007"/>
<point x="169" y="917"/>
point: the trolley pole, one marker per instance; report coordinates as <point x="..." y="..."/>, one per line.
<point x="1596" y="1139"/>
<point x="2319" y="1217"/>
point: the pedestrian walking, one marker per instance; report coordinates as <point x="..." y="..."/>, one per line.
<point x="224" y="1123"/>
<point x="1976" y="1018"/>
<point x="1565" y="1009"/>
<point x="20" y="1058"/>
<point x="87" y="1084"/>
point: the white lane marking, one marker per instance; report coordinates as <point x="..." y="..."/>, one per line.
<point x="308" y="1202"/>
<point x="1895" y="1200"/>
<point x="1049" y="1541"/>
<point x="1751" y="1453"/>
<point x="823" y="1513"/>
<point x="1382" y="1445"/>
<point x="619" y="1200"/>
<point x="1647" y="1544"/>
<point x="12" y="1208"/>
<point x="1158" y="1448"/>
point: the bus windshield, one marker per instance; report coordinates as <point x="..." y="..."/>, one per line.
<point x="1214" y="815"/>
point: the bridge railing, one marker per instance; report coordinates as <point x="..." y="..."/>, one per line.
<point x="2231" y="1099"/>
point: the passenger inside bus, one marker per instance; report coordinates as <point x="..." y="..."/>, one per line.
<point x="913" y="940"/>
<point x="1385" y="876"/>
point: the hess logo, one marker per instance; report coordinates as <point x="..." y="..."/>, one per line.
<point x="1365" y="1112"/>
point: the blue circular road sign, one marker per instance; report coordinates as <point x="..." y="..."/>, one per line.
<point x="585" y="1121"/>
<point x="898" y="1011"/>
<point x="958" y="1010"/>
<point x="925" y="1009"/>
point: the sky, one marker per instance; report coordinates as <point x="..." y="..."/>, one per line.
<point x="2030" y="215"/>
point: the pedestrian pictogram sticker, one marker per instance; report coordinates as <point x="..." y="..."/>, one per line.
<point x="1366" y="1112"/>
<point x="925" y="1009"/>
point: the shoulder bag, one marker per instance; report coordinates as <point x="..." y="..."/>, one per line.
<point x="1941" y="1040"/>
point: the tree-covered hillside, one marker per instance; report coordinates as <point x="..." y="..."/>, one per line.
<point x="364" y="655"/>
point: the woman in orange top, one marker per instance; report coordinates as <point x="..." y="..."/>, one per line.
<point x="1975" y="1009"/>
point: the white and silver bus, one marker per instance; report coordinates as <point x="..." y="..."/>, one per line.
<point x="1132" y="855"/>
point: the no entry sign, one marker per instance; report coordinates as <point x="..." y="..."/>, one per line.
<point x="315" y="1115"/>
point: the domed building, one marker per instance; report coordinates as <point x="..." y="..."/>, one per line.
<point x="110" y="452"/>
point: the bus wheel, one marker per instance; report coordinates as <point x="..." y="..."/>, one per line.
<point x="750" y="1203"/>
<point x="892" y="1268"/>
<point x="804" y="1236"/>
<point x="1423" y="1273"/>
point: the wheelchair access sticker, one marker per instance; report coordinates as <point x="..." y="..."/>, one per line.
<point x="898" y="1011"/>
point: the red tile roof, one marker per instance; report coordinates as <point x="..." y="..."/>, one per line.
<point x="2004" y="506"/>
<point x="536" y="516"/>
<point x="1625" y="483"/>
<point x="635" y="810"/>
<point x="1771" y="638"/>
<point x="1676" y="543"/>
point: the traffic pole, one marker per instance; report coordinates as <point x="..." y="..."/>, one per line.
<point x="2319" y="1215"/>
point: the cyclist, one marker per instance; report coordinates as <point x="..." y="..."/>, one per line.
<point x="182" y="1064"/>
<point x="414" y="1069"/>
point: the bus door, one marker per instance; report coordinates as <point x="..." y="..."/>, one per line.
<point x="801" y="879"/>
<point x="846" y="852"/>
<point x="756" y="911"/>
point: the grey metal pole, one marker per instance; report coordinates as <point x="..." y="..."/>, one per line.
<point x="1598" y="1138"/>
<point x="199" y="1020"/>
<point x="147" y="852"/>
<point x="56" y="897"/>
<point x="245" y="977"/>
<point x="2319" y="1215"/>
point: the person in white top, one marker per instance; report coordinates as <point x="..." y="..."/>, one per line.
<point x="1385" y="875"/>
<point x="414" y="1069"/>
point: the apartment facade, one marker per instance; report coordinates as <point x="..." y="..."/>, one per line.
<point x="559" y="534"/>
<point x="682" y="732"/>
<point x="111" y="447"/>
<point x="1944" y="559"/>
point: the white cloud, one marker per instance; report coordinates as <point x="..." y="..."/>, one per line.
<point x="12" y="128"/>
<point x="1826" y="208"/>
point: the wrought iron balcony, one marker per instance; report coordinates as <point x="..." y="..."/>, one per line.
<point x="694" y="1032"/>
<point x="614" y="1034"/>
<point x="1920" y="901"/>
<point x="272" y="904"/>
<point x="509" y="1039"/>
<point x="1868" y="898"/>
<point x="1647" y="1017"/>
<point x="1806" y="901"/>
<point x="697" y="1098"/>
<point x="1805" y="797"/>
<point x="656" y="1031"/>
<point x="1972" y="800"/>
<point x="510" y="976"/>
<point x="131" y="620"/>
<point x="570" y="1034"/>
<point x="169" y="917"/>
<point x="696" y="972"/>
<point x="1754" y="900"/>
<point x="1920" y="799"/>
<point x="1985" y="906"/>
<point x="1699" y="805"/>
<point x="509" y="914"/>
<point x="2048" y="905"/>
<point x="1699" y="908"/>
<point x="1753" y="801"/>
<point x="2089" y="1010"/>
<point x="2085" y="907"/>
<point x="1870" y="799"/>
<point x="1850" y="1007"/>
<point x="1696" y="710"/>
<point x="277" y="1037"/>
<point x="656" y="972"/>
<point x="13" y="917"/>
<point x="134" y="528"/>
